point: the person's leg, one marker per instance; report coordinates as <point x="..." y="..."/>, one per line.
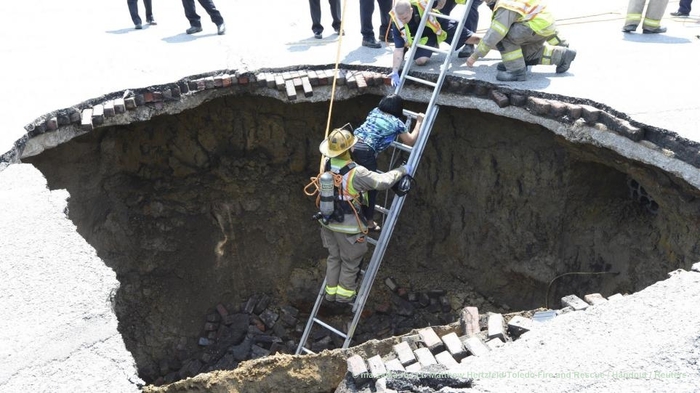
<point x="335" y="13"/>
<point x="351" y="254"/>
<point x="364" y="155"/>
<point x="149" y="11"/>
<point x="684" y="6"/>
<point x="315" y="8"/>
<point x="652" y="18"/>
<point x="423" y="55"/>
<point x="634" y="15"/>
<point x="384" y="9"/>
<point x="366" y="11"/>
<point x="215" y="15"/>
<point x="333" y="262"/>
<point x="134" y="11"/>
<point x="191" y="13"/>
<point x="472" y="21"/>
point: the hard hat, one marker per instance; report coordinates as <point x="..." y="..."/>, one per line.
<point x="338" y="141"/>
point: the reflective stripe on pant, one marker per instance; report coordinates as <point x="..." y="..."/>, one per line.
<point x="520" y="44"/>
<point x="345" y="254"/>
<point x="552" y="54"/>
<point x="652" y="18"/>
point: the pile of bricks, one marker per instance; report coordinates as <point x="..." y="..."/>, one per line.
<point x="424" y="352"/>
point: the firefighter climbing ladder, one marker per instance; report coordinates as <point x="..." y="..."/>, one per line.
<point x="415" y="153"/>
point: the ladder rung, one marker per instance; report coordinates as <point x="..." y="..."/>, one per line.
<point x="331" y="328"/>
<point x="306" y="350"/>
<point x="419" y="80"/>
<point x="411" y="114"/>
<point x="401" y="146"/>
<point x="381" y="209"/>
<point x="371" y="240"/>
<point x="444" y="16"/>
<point x="434" y="49"/>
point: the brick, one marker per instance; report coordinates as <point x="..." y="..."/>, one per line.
<point x="269" y="318"/>
<point x="495" y="327"/>
<point x="139" y="99"/>
<point x="361" y="82"/>
<point x="228" y="80"/>
<point x="394" y="365"/>
<point x="474" y="345"/>
<point x="430" y="338"/>
<point x="291" y="92"/>
<point x="210" y="326"/>
<point x="376" y="367"/>
<point x="221" y="310"/>
<point x="109" y="108"/>
<point x="557" y="109"/>
<point x="213" y="317"/>
<point x="130" y="103"/>
<point x="574" y="302"/>
<point x="446" y="359"/>
<point x="454" y="345"/>
<point x="279" y="82"/>
<point x="391" y="284"/>
<point x="297" y="82"/>
<point x="98" y="114"/>
<point x="313" y="78"/>
<point x="201" y="84"/>
<point x="626" y="129"/>
<point x="219" y="81"/>
<point x="86" y="120"/>
<point x="590" y="114"/>
<point x="270" y="80"/>
<point x="414" y="368"/>
<point x="63" y="119"/>
<point x="519" y="325"/>
<point x="262" y="79"/>
<point x="262" y="303"/>
<point x="52" y="124"/>
<point x="203" y="341"/>
<point x="209" y="82"/>
<point x="357" y="369"/>
<point x="425" y="357"/>
<point x="287" y="75"/>
<point x="618" y="296"/>
<point x="342" y="78"/>
<point x="594" y="298"/>
<point x="184" y="87"/>
<point x="469" y="320"/>
<point x="404" y="353"/>
<point x="574" y="111"/>
<point x="148" y="97"/>
<point x="306" y="85"/>
<point x="351" y="81"/>
<point x="250" y="304"/>
<point x="538" y="106"/>
<point x="499" y="98"/>
<point x="518" y="100"/>
<point x="245" y="79"/>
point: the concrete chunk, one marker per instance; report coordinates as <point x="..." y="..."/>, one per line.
<point x="446" y="359"/>
<point x="86" y="119"/>
<point x="474" y="345"/>
<point x="454" y="345"/>
<point x="594" y="298"/>
<point x="430" y="338"/>
<point x="425" y="357"/>
<point x="574" y="302"/>
<point x="695" y="267"/>
<point x="404" y="353"/>
<point x="469" y="319"/>
<point x="495" y="327"/>
<point x="616" y="296"/>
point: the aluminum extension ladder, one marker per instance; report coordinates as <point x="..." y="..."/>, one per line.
<point x="415" y="153"/>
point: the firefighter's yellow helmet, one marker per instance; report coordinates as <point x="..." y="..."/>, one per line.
<point x="338" y="141"/>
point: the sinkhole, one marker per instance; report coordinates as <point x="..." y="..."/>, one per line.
<point x="206" y="207"/>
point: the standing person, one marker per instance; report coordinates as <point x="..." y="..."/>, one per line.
<point x="345" y="240"/>
<point x="382" y="126"/>
<point x="652" y="18"/>
<point x="134" y="11"/>
<point x="406" y="17"/>
<point x="683" y="8"/>
<point x="522" y="31"/>
<point x="315" y="7"/>
<point x="195" y="20"/>
<point x="471" y="23"/>
<point x="366" y="28"/>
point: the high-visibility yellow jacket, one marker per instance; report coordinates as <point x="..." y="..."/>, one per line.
<point x="432" y="23"/>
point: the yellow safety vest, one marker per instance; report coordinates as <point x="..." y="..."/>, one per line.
<point x="532" y="12"/>
<point x="432" y="23"/>
<point x="352" y="222"/>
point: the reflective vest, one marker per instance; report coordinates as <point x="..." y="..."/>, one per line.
<point x="432" y="23"/>
<point x="533" y="13"/>
<point x="347" y="196"/>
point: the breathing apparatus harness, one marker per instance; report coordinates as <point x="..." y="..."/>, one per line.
<point x="331" y="199"/>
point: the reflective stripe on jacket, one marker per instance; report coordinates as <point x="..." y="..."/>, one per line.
<point x="351" y="223"/>
<point x="532" y="12"/>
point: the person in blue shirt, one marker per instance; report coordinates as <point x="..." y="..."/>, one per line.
<point x="383" y="124"/>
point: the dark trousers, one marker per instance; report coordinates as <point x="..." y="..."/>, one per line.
<point x="684" y="6"/>
<point x="315" y="7"/>
<point x="451" y="30"/>
<point x="472" y="18"/>
<point x="208" y="5"/>
<point x="134" y="11"/>
<point x="365" y="156"/>
<point x="366" y="11"/>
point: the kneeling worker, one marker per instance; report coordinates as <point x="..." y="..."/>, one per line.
<point x="345" y="240"/>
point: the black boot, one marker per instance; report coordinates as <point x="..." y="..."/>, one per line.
<point x="656" y="30"/>
<point x="566" y="60"/>
<point x="511" y="76"/>
<point x="502" y="67"/>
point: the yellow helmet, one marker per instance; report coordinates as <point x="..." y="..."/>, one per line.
<point x="338" y="141"/>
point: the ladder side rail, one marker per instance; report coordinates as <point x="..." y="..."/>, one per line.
<point x="414" y="46"/>
<point x="312" y="316"/>
<point x="385" y="236"/>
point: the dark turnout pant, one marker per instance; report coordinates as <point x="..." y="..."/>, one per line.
<point x="208" y="5"/>
<point x="134" y="11"/>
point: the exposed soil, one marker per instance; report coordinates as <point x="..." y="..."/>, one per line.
<point x="206" y="207"/>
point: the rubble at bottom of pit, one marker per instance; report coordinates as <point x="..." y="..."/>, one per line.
<point x="233" y="333"/>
